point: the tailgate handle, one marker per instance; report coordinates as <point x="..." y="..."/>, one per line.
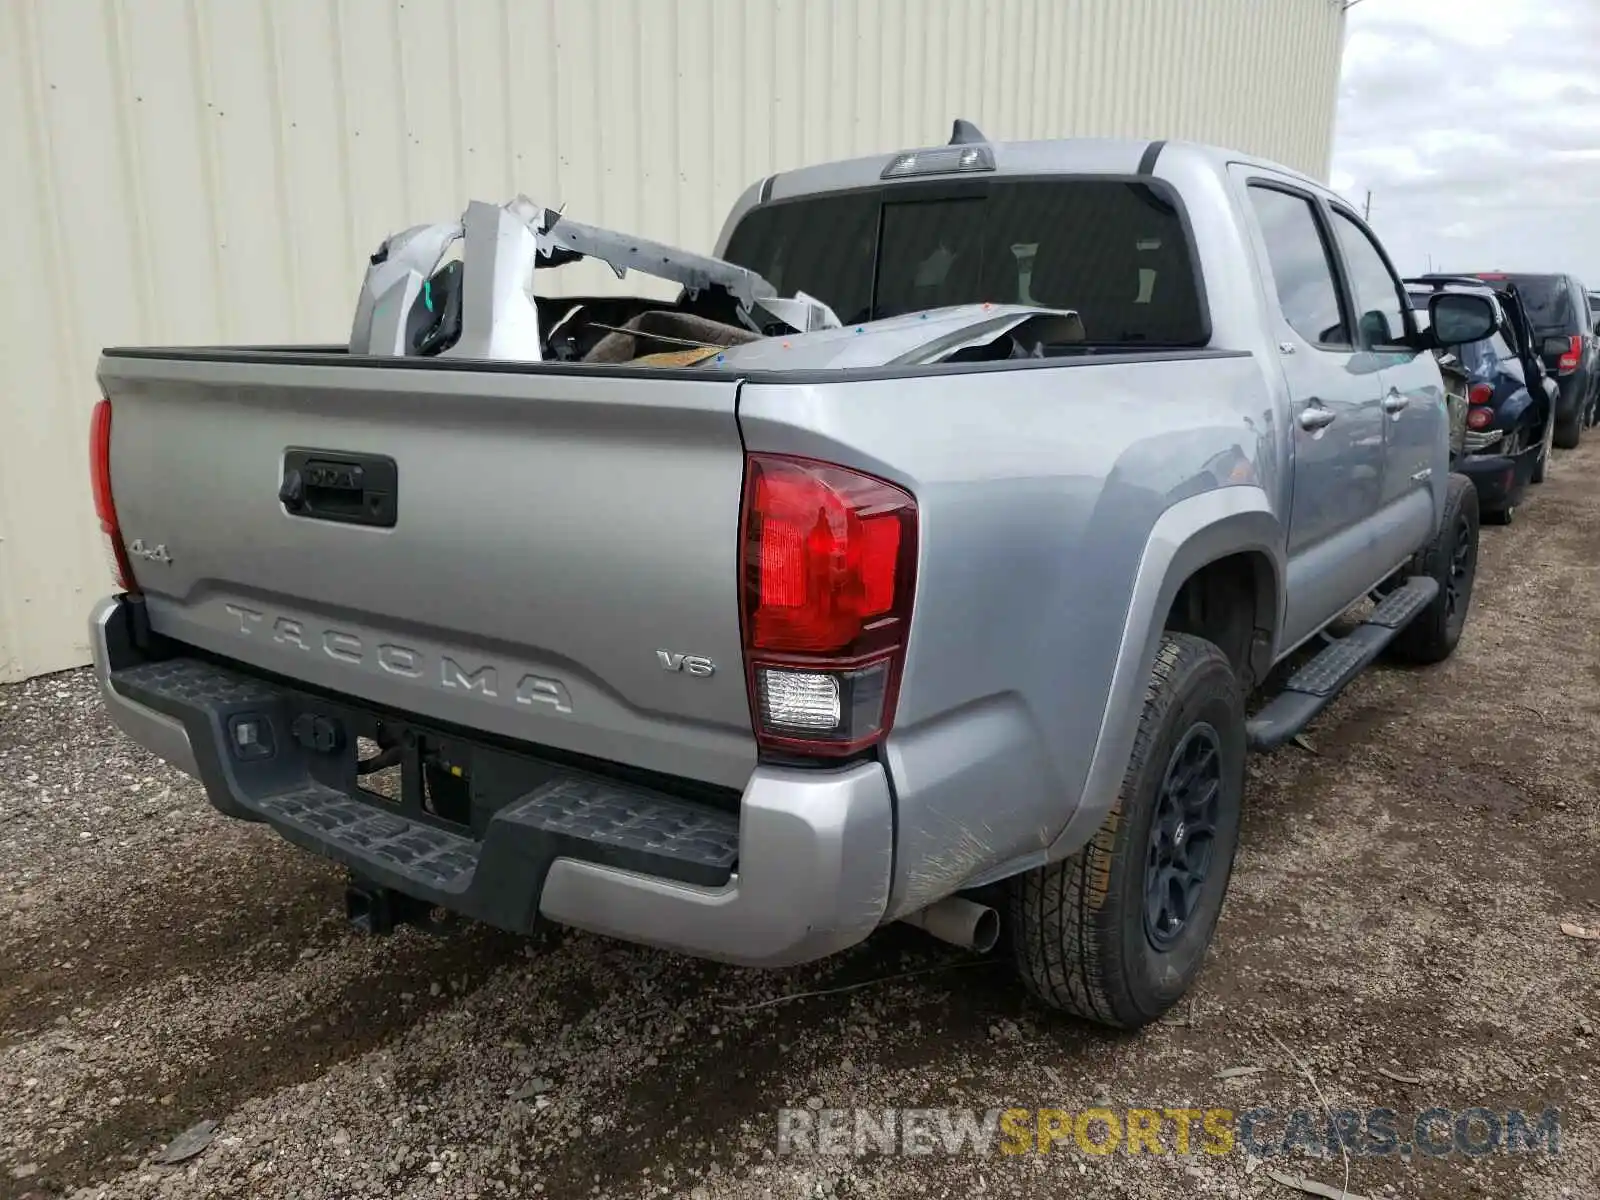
<point x="336" y="485"/>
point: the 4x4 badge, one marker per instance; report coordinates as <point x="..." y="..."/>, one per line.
<point x="150" y="553"/>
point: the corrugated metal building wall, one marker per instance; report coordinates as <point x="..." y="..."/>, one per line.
<point x="186" y="171"/>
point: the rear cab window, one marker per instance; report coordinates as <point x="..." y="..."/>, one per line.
<point x="1115" y="251"/>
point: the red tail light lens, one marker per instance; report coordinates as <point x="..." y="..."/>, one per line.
<point x="1480" y="418"/>
<point x="829" y="565"/>
<point x="1480" y="393"/>
<point x="104" y="506"/>
<point x="1572" y="355"/>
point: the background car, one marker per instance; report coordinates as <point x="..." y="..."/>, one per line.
<point x="1594" y="391"/>
<point x="1558" y="308"/>
<point x="1509" y="420"/>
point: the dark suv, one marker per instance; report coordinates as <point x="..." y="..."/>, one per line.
<point x="1510" y="397"/>
<point x="1558" y="307"/>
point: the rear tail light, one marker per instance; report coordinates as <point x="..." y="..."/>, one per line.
<point x="829" y="565"/>
<point x="104" y="506"/>
<point x="1480" y="393"/>
<point x="1480" y="418"/>
<point x="1571" y="356"/>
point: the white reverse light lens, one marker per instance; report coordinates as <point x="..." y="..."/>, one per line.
<point x="798" y="700"/>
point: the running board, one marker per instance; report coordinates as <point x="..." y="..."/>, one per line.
<point x="1313" y="687"/>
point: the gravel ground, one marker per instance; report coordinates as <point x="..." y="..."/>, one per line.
<point x="1396" y="908"/>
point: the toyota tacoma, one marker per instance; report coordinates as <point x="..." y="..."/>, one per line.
<point x="914" y="563"/>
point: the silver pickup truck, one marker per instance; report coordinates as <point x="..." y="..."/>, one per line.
<point x="915" y="564"/>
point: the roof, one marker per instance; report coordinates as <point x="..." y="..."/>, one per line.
<point x="1060" y="156"/>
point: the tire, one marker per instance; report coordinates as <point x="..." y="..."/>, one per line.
<point x="1500" y="516"/>
<point x="1569" y="432"/>
<point x="1081" y="935"/>
<point x="1452" y="559"/>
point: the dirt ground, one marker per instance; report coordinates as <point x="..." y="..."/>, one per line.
<point x="1397" y="907"/>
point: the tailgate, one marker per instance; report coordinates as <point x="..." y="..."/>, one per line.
<point x="551" y="556"/>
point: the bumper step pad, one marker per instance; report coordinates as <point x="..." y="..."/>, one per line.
<point x="496" y="878"/>
<point x="433" y="857"/>
<point x="1313" y="687"/>
<point x="701" y="841"/>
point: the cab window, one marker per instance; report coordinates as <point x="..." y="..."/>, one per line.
<point x="1380" y="299"/>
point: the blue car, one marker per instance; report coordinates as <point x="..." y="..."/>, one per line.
<point x="1510" y="424"/>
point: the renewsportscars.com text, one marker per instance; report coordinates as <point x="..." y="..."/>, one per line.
<point x="1262" y="1132"/>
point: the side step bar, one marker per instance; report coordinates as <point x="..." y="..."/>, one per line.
<point x="1314" y="686"/>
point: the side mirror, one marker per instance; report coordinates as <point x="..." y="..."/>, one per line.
<point x="1455" y="318"/>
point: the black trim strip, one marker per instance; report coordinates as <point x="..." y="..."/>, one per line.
<point x="765" y="193"/>
<point x="1147" y="160"/>
<point x="243" y="356"/>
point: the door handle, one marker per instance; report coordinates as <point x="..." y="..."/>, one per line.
<point x="1315" y="415"/>
<point x="1395" y="401"/>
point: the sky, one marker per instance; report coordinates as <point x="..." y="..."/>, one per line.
<point x="1476" y="126"/>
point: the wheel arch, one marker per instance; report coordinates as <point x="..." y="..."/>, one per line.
<point x="1226" y="533"/>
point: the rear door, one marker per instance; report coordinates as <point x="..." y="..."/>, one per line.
<point x="1336" y="419"/>
<point x="1415" y="420"/>
<point x="535" y="554"/>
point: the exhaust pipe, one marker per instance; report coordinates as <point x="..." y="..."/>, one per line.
<point x="960" y="922"/>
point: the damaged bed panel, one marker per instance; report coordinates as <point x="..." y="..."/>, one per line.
<point x="965" y="333"/>
<point x="468" y="290"/>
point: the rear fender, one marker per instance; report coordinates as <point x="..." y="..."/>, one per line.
<point x="1189" y="535"/>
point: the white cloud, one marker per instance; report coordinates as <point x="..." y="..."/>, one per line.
<point x="1475" y="124"/>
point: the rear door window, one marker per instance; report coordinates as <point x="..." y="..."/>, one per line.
<point x="1114" y="251"/>
<point x="1380" y="300"/>
<point x="1302" y="268"/>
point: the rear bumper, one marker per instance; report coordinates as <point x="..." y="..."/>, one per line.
<point x="1498" y="478"/>
<point x="801" y="871"/>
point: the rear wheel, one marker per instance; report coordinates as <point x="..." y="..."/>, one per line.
<point x="1569" y="432"/>
<point x="1118" y="932"/>
<point x="1452" y="559"/>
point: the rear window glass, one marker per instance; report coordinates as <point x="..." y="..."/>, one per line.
<point x="1115" y="252"/>
<point x="1547" y="299"/>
